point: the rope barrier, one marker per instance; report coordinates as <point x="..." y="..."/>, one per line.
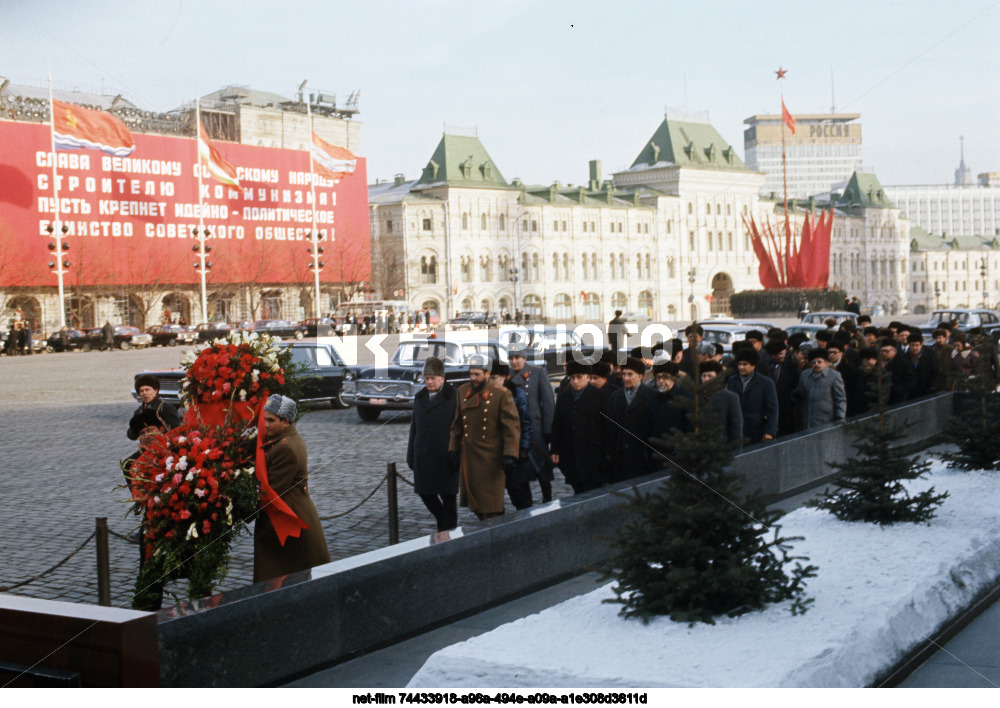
<point x="337" y="516"/>
<point x="8" y="588"/>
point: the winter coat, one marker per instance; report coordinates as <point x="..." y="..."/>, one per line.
<point x="168" y="415"/>
<point x="758" y="405"/>
<point x="485" y="429"/>
<point x="849" y="375"/>
<point x="288" y="474"/>
<point x="534" y="381"/>
<point x="903" y="378"/>
<point x="786" y="380"/>
<point x="627" y="430"/>
<point x="427" y="450"/>
<point x="524" y="471"/>
<point x="667" y="415"/>
<point x="823" y="396"/>
<point x="926" y="373"/>
<point x="726" y="406"/>
<point x="578" y="439"/>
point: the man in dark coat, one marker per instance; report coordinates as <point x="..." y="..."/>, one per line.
<point x="616" y="332"/>
<point x="723" y="402"/>
<point x="785" y="373"/>
<point x="108" y="336"/>
<point x="577" y="432"/>
<point x="903" y="375"/>
<point x="148" y="388"/>
<point x="435" y="478"/>
<point x="942" y="351"/>
<point x="758" y="397"/>
<point x="925" y="368"/>
<point x="519" y="477"/>
<point x="534" y="381"/>
<point x="667" y="411"/>
<point x="838" y="362"/>
<point x="694" y="334"/>
<point x="628" y="425"/>
<point x="288" y="474"/>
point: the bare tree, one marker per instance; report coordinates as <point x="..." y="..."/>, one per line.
<point x="149" y="270"/>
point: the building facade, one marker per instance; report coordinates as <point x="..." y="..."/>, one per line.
<point x="952" y="209"/>
<point x="824" y="151"/>
<point x="663" y="239"/>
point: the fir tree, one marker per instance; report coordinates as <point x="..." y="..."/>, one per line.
<point x="871" y="483"/>
<point x="975" y="430"/>
<point x="695" y="551"/>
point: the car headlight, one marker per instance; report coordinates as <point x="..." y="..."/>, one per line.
<point x="348" y="375"/>
<point x="418" y="378"/>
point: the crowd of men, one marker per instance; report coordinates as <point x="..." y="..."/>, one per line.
<point x="607" y="419"/>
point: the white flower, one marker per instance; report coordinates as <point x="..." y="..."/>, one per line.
<point x="168" y="464"/>
<point x="229" y="508"/>
<point x="159" y="477"/>
<point x="243" y="394"/>
<point x="200" y="492"/>
<point x="156" y="500"/>
<point x="192" y="533"/>
<point x="182" y="464"/>
<point x="182" y="439"/>
<point x="191" y="475"/>
<point x="250" y="470"/>
<point x="254" y="375"/>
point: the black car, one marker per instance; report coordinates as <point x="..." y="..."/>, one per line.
<point x="209" y="331"/>
<point x="324" y="375"/>
<point x="472" y="320"/>
<point x="170" y="335"/>
<point x="379" y="388"/>
<point x="279" y="328"/>
<point x="550" y="347"/>
<point x="75" y="340"/>
<point x="322" y="327"/>
<point x="125" y="338"/>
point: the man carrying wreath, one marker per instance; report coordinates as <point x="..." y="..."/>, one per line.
<point x="287" y="473"/>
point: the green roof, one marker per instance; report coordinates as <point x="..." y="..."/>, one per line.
<point x="920" y="240"/>
<point x="688" y="144"/>
<point x="461" y="161"/>
<point x="864" y="190"/>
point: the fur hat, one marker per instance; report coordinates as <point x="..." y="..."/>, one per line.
<point x="480" y="361"/>
<point x="577" y="367"/>
<point x="433" y="366"/>
<point x="147" y="380"/>
<point x="706" y="348"/>
<point x="636" y="365"/>
<point x="281" y="406"/>
<point x="816" y="353"/>
<point x="602" y="369"/>
<point x="747" y="354"/>
<point x="710" y="365"/>
<point x="500" y="369"/>
<point x="517" y="348"/>
<point x="669" y="368"/>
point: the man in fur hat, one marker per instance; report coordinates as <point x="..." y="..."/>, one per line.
<point x="628" y="424"/>
<point x="148" y="388"/>
<point x="577" y="447"/>
<point x="435" y="479"/>
<point x="758" y="397"/>
<point x="519" y="478"/>
<point x="668" y="412"/>
<point x="485" y="438"/>
<point x="534" y="381"/>
<point x="288" y="474"/>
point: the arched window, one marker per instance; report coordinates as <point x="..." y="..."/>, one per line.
<point x="565" y="262"/>
<point x="484" y="269"/>
<point x="648" y="269"/>
<point x="465" y="221"/>
<point x="555" y="266"/>
<point x="611" y="266"/>
<point x="584" y="266"/>
<point x="485" y="305"/>
<point x="593" y="263"/>
<point x="503" y="223"/>
<point x="563" y="308"/>
<point x="592" y="307"/>
<point x="645" y="302"/>
<point x="621" y="266"/>
<point x="524" y="267"/>
<point x="619" y="301"/>
<point x="482" y="222"/>
<point x="532" y="305"/>
<point x="428" y="269"/>
<point x="535" y="277"/>
<point x="467" y="304"/>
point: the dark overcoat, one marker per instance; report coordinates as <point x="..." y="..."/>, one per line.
<point x="758" y="405"/>
<point x="577" y="437"/>
<point x="726" y="406"/>
<point x="485" y="429"/>
<point x="427" y="450"/>
<point x="903" y="378"/>
<point x="288" y="474"/>
<point x="534" y="381"/>
<point x="926" y="373"/>
<point x="849" y="375"/>
<point x="627" y="430"/>
<point x="786" y="380"/>
<point x="165" y="412"/>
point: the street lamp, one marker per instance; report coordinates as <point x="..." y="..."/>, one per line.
<point x="937" y="296"/>
<point x="985" y="274"/>
<point x="692" y="275"/>
<point x="60" y="265"/>
<point x="515" y="278"/>
<point x="202" y="265"/>
<point x="315" y="251"/>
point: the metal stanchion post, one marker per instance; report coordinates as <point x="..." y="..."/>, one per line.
<point x="103" y="565"/>
<point x="393" y="505"/>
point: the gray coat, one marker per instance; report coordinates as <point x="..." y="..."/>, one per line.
<point x="823" y="397"/>
<point x="534" y="381"/>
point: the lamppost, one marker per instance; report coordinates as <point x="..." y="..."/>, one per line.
<point x="937" y="296"/>
<point x="202" y="265"/>
<point x="315" y="251"/>
<point x="692" y="276"/>
<point x="985" y="274"/>
<point x="60" y="265"/>
<point x="515" y="277"/>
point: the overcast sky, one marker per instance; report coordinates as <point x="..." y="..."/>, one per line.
<point x="550" y="85"/>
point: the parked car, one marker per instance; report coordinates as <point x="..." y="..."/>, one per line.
<point x="76" y="340"/>
<point x="125" y="338"/>
<point x="37" y="345"/>
<point x="809" y="330"/>
<point x="322" y="327"/>
<point x="472" y="320"/>
<point x="323" y="375"/>
<point x="550" y="347"/>
<point x="279" y="328"/>
<point x="637" y="316"/>
<point x="965" y="319"/>
<point x="170" y="335"/>
<point x="725" y="334"/>
<point x="759" y="325"/>
<point x="209" y="331"/>
<point x="394" y="387"/>
<point x="822" y="317"/>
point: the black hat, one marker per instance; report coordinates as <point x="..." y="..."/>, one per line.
<point x="602" y="369"/>
<point x="636" y="365"/>
<point x="711" y="365"/>
<point x="914" y="338"/>
<point x="747" y="354"/>
<point x="147" y="380"/>
<point x="500" y="369"/>
<point x="609" y="357"/>
<point x="668" y="367"/>
<point x="578" y="367"/>
<point x="433" y="366"/>
<point x="816" y="353"/>
<point x="774" y="346"/>
<point x="755" y="335"/>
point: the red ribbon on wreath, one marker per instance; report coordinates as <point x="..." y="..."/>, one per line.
<point x="284" y="520"/>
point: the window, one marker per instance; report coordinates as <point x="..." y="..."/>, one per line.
<point x="524" y="266"/>
<point x="388" y="226"/>
<point x="484" y="269"/>
<point x="708" y="209"/>
<point x="465" y="221"/>
<point x="690" y="208"/>
<point x="555" y="266"/>
<point x="592" y="227"/>
<point x="583" y="265"/>
<point x="593" y="263"/>
<point x="534" y="225"/>
<point x="564" y="227"/>
<point x="619" y="227"/>
<point x="648" y="262"/>
<point x="503" y="223"/>
<point x="563" y="307"/>
<point x="534" y="267"/>
<point x="619" y="301"/>
<point x="524" y="225"/>
<point x="482" y="222"/>
<point x="691" y="240"/>
<point x="584" y="227"/>
<point x="555" y="226"/>
<point x="466" y="270"/>
<point x="592" y="307"/>
<point x="621" y="265"/>
<point x="532" y="305"/>
<point x="427" y="224"/>
<point x="565" y="261"/>
<point x="428" y="269"/>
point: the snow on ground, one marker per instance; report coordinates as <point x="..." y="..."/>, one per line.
<point x="879" y="592"/>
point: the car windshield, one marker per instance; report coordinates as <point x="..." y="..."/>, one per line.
<point x="315" y="356"/>
<point x="417" y="352"/>
<point x="963" y="318"/>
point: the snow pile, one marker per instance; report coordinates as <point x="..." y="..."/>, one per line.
<point x="879" y="592"/>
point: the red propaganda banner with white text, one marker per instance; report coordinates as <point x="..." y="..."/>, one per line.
<point x="130" y="219"/>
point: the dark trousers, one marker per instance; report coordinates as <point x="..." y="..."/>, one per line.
<point x="444" y="507"/>
<point x="518" y="483"/>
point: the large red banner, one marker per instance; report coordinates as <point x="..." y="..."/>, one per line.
<point x="130" y="219"/>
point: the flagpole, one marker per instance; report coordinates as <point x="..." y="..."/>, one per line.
<point x="200" y="231"/>
<point x="314" y="234"/>
<point x="56" y="229"/>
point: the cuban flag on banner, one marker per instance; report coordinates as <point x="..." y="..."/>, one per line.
<point x="75" y="127"/>
<point x="331" y="161"/>
<point x="214" y="163"/>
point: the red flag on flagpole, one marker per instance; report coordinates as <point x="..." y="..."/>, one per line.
<point x="75" y="127"/>
<point x="214" y="163"/>
<point x="787" y="117"/>
<point x="331" y="161"/>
